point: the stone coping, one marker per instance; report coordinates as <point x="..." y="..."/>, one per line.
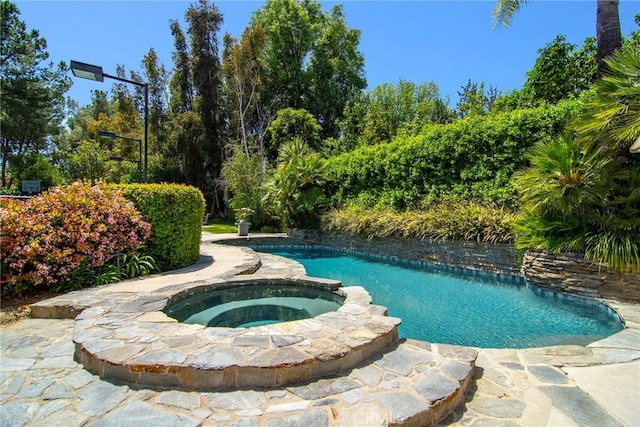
<point x="133" y="341"/>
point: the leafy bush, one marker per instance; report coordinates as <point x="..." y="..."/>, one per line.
<point x="582" y="194"/>
<point x="44" y="240"/>
<point x="295" y="190"/>
<point x="472" y="158"/>
<point x="291" y="123"/>
<point x="127" y="266"/>
<point x="244" y="176"/>
<point x="176" y="213"/>
<point x="578" y="197"/>
<point x="450" y="221"/>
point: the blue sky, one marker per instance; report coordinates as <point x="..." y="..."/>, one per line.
<point x="446" y="42"/>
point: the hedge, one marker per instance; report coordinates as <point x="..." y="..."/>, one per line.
<point x="175" y="213"/>
<point x="472" y="158"/>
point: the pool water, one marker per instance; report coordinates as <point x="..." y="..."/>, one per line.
<point x="450" y="308"/>
<point x="253" y="305"/>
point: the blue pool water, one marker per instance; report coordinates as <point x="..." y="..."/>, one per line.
<point x="442" y="307"/>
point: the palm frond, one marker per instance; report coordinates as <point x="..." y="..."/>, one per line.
<point x="504" y="11"/>
<point x="613" y="116"/>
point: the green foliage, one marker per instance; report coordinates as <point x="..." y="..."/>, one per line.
<point x="505" y="9"/>
<point x="194" y="150"/>
<point x="46" y="239"/>
<point x="474" y="100"/>
<point x="295" y="189"/>
<point x="389" y="107"/>
<point x="447" y="221"/>
<point x="244" y="176"/>
<point x="124" y="267"/>
<point x="583" y="194"/>
<point x="176" y="213"/>
<point x="560" y="71"/>
<point x="88" y="162"/>
<point x="472" y="158"/>
<point x="34" y="166"/>
<point x="579" y="196"/>
<point x="613" y="115"/>
<point x="312" y="60"/>
<point x="32" y="101"/>
<point x="290" y="124"/>
<point x="337" y="71"/>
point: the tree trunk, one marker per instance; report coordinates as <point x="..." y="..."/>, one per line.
<point x="608" y="34"/>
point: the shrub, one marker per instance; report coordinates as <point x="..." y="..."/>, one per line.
<point x="176" y="213"/>
<point x="581" y="192"/>
<point x="449" y="221"/>
<point x="46" y="239"/>
<point x="244" y="177"/>
<point x="472" y="158"/>
<point x="581" y="197"/>
<point x="295" y="190"/>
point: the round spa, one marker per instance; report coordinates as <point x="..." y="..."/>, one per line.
<point x="158" y="349"/>
<point x="252" y="304"/>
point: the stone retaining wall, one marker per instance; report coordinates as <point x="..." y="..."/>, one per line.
<point x="481" y="257"/>
<point x="570" y="273"/>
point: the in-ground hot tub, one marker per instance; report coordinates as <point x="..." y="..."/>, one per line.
<point x="252" y="304"/>
<point x="134" y="341"/>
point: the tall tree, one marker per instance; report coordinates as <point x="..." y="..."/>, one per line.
<point x="158" y="79"/>
<point x="389" y="107"/>
<point x="243" y="68"/>
<point x="561" y="71"/>
<point x="181" y="85"/>
<point x="312" y="59"/>
<point x="196" y="125"/>
<point x="475" y="100"/>
<point x="292" y="28"/>
<point x="608" y="34"/>
<point x="336" y="70"/>
<point x="32" y="102"/>
<point x="204" y="20"/>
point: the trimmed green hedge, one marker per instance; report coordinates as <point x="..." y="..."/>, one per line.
<point x="175" y="213"/>
<point x="471" y="159"/>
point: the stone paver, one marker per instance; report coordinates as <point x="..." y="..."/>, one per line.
<point x="554" y="386"/>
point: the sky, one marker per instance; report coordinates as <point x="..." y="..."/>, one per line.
<point x="447" y="42"/>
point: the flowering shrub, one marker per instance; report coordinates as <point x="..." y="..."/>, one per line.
<point x="44" y="240"/>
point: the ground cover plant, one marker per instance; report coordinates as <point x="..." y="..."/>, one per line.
<point x="446" y="221"/>
<point x="220" y="226"/>
<point x="63" y="237"/>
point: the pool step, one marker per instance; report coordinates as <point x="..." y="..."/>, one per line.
<point x="413" y="384"/>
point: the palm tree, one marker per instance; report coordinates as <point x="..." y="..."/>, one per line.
<point x="582" y="193"/>
<point x="613" y="115"/>
<point x="577" y="196"/>
<point x="608" y="35"/>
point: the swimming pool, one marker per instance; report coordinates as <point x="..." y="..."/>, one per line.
<point x="472" y="310"/>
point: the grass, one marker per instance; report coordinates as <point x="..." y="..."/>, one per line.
<point x="220" y="226"/>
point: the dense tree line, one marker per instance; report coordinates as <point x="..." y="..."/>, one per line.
<point x="220" y="115"/>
